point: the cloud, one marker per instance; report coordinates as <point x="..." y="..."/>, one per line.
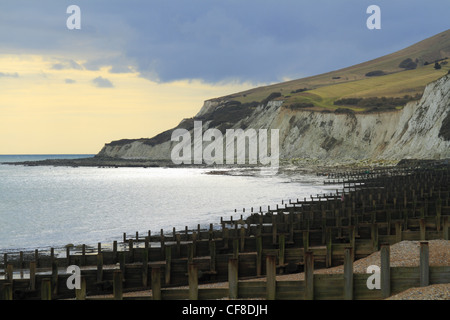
<point x="101" y="82"/>
<point x="69" y="81"/>
<point x="9" y="75"/>
<point x="216" y="41"/>
<point x="67" y="65"/>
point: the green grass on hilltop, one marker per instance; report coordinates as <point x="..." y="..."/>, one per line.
<point x="402" y="73"/>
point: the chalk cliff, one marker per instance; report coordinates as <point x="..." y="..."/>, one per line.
<point x="421" y="130"/>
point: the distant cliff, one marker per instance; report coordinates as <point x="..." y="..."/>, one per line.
<point x="421" y="130"/>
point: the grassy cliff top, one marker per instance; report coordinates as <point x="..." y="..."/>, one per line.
<point x="402" y="75"/>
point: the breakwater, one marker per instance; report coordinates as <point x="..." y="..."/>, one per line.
<point x="372" y="209"/>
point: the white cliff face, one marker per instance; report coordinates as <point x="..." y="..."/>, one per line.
<point x="412" y="132"/>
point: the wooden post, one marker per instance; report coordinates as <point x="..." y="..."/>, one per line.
<point x="33" y="275"/>
<point x="131" y="249"/>
<point x="178" y="240"/>
<point x="115" y="258"/>
<point x="36" y="257"/>
<point x="68" y="255"/>
<point x="348" y="273"/>
<point x="235" y="248"/>
<point x="305" y="240"/>
<point x="374" y="236"/>
<point x="168" y="264"/>
<point x="55" y="277"/>
<point x="271" y="282"/>
<point x="145" y="268"/>
<point x="258" y="255"/>
<point x="46" y="289"/>
<point x="329" y="244"/>
<point x="385" y="271"/>
<point x="118" y="285"/>
<point x="212" y="254"/>
<point x="423" y="229"/>
<point x="156" y="283"/>
<point x="83" y="255"/>
<point x="9" y="273"/>
<point x="225" y="237"/>
<point x="193" y="281"/>
<point x="80" y="294"/>
<point x="424" y="264"/>
<point x="274" y="230"/>
<point x="242" y="239"/>
<point x="445" y="227"/>
<point x="162" y="242"/>
<point x="233" y="278"/>
<point x="309" y="275"/>
<point x="398" y="231"/>
<point x="438" y="214"/>
<point x="7" y="291"/>
<point x="99" y="267"/>
<point x="281" y="247"/>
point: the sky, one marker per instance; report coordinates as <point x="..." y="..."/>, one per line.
<point x="137" y="68"/>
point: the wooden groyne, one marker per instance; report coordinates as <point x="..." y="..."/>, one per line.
<point x="370" y="211"/>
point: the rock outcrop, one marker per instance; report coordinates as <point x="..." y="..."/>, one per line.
<point x="420" y="130"/>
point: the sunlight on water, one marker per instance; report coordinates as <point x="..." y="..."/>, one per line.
<point x="54" y="206"/>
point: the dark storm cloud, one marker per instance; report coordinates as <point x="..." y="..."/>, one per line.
<point x="212" y="40"/>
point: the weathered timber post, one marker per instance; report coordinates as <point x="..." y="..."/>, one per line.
<point x="80" y="294"/>
<point x="33" y="275"/>
<point x="242" y="240"/>
<point x="233" y="278"/>
<point x="131" y="249"/>
<point x="193" y="281"/>
<point x="46" y="289"/>
<point x="83" y="255"/>
<point x="309" y="275"/>
<point x="36" y="257"/>
<point x="374" y="236"/>
<point x="156" y="283"/>
<point x="398" y="231"/>
<point x="7" y="291"/>
<point x="274" y="230"/>
<point x="348" y="273"/>
<point x="68" y="255"/>
<point x="145" y="268"/>
<point x="9" y="273"/>
<point x="271" y="282"/>
<point x="178" y="240"/>
<point x="99" y="267"/>
<point x="162" y="242"/>
<point x="424" y="264"/>
<point x="281" y="248"/>
<point x="55" y="277"/>
<point x="118" y="285"/>
<point x="329" y="245"/>
<point x="259" y="248"/>
<point x="423" y="229"/>
<point x="190" y="252"/>
<point x="445" y="227"/>
<point x="212" y="254"/>
<point x="438" y="214"/>
<point x="235" y="248"/>
<point x="168" y="267"/>
<point x="115" y="258"/>
<point x="305" y="240"/>
<point x="385" y="271"/>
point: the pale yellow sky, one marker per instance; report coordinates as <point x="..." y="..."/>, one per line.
<point x="47" y="110"/>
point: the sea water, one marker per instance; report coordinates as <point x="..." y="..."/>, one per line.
<point x="50" y="206"/>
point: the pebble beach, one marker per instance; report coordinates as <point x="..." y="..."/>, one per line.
<point x="402" y="254"/>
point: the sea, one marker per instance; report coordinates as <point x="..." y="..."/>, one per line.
<point x="45" y="207"/>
